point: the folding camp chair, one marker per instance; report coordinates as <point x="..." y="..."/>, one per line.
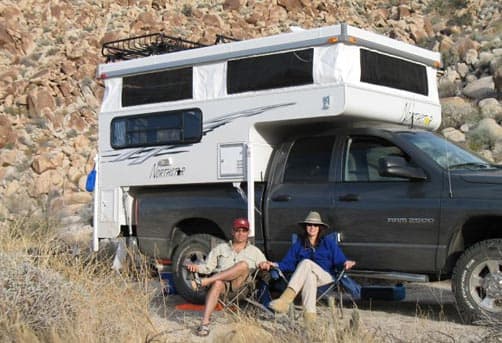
<point x="340" y="279"/>
<point x="252" y="294"/>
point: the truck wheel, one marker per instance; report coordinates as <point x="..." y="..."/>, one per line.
<point x="477" y="282"/>
<point x="194" y="250"/>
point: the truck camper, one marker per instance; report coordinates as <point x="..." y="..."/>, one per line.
<point x="336" y="119"/>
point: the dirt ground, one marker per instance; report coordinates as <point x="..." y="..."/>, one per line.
<point x="427" y="314"/>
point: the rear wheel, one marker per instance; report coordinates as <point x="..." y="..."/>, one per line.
<point x="477" y="282"/>
<point x="193" y="250"/>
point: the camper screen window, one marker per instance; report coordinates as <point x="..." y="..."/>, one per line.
<point x="393" y="72"/>
<point x="173" y="127"/>
<point x="270" y="71"/>
<point x="167" y="85"/>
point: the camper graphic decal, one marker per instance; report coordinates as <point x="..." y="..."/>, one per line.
<point x="140" y="155"/>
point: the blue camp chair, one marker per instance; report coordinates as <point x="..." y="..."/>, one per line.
<point x="340" y="279"/>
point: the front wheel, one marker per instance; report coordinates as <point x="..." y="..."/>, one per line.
<point x="477" y="282"/>
<point x="193" y="250"/>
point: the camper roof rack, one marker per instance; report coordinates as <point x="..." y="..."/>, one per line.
<point x="151" y="44"/>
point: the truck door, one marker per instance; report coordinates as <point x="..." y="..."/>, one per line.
<point x="300" y="183"/>
<point x="386" y="223"/>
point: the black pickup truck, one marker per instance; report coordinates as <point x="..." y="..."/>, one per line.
<point x="405" y="203"/>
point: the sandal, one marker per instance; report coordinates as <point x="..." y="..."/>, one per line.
<point x="202" y="331"/>
<point x="196" y="282"/>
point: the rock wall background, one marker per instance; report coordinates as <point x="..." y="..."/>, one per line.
<point x="49" y="94"/>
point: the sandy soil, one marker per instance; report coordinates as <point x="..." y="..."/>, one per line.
<point x="427" y="314"/>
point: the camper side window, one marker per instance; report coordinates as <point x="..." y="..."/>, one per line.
<point x="270" y="71"/>
<point x="388" y="71"/>
<point x="173" y="127"/>
<point x="160" y="86"/>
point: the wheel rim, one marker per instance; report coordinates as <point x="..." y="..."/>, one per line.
<point x="193" y="257"/>
<point x="486" y="285"/>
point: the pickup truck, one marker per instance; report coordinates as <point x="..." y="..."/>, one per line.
<point x="405" y="202"/>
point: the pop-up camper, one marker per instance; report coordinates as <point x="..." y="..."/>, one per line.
<point x="178" y="113"/>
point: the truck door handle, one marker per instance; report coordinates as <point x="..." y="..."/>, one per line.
<point x="349" y="197"/>
<point x="281" y="197"/>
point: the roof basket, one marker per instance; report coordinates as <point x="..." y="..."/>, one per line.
<point x="146" y="45"/>
<point x="151" y="44"/>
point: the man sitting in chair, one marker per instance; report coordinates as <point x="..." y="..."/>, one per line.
<point x="231" y="264"/>
<point x="312" y="257"/>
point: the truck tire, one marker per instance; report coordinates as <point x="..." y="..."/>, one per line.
<point x="194" y="249"/>
<point x="477" y="282"/>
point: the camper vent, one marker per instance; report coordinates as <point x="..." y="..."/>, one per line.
<point x="151" y="44"/>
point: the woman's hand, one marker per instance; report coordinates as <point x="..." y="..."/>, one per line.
<point x="349" y="264"/>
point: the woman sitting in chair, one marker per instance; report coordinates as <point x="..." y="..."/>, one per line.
<point x="312" y="258"/>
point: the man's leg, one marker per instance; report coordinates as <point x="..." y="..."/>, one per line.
<point x="212" y="299"/>
<point x="237" y="274"/>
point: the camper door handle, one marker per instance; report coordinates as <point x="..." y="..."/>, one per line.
<point x="281" y="197"/>
<point x="349" y="197"/>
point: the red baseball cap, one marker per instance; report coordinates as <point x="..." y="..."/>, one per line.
<point x="240" y="223"/>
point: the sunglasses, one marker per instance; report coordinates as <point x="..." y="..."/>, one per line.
<point x="241" y="229"/>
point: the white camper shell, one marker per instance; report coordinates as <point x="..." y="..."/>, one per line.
<point x="213" y="114"/>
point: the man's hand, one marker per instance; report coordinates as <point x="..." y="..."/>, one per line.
<point x="266" y="265"/>
<point x="349" y="264"/>
<point x="194" y="268"/>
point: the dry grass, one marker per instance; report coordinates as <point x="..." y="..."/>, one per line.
<point x="48" y="293"/>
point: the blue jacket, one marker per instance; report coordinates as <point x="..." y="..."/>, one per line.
<point x="327" y="255"/>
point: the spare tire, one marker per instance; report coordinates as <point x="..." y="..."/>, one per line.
<point x="193" y="250"/>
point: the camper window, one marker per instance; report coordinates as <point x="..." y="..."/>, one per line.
<point x="174" y="127"/>
<point x="271" y="71"/>
<point x="393" y="72"/>
<point x="165" y="85"/>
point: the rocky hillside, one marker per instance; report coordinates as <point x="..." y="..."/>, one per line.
<point x="49" y="95"/>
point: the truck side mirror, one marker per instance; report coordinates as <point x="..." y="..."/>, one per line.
<point x="397" y="166"/>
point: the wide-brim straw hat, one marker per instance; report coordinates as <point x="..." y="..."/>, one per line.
<point x="313" y="218"/>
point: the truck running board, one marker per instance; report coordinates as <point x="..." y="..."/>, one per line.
<point x="389" y="275"/>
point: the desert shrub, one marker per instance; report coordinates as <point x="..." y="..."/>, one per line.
<point x="49" y="293"/>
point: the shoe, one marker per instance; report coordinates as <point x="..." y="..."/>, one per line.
<point x="281" y="305"/>
<point x="202" y="331"/>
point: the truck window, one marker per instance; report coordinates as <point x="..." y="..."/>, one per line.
<point x="271" y="71"/>
<point x="309" y="160"/>
<point x="172" y="127"/>
<point x="361" y="159"/>
<point x="160" y="86"/>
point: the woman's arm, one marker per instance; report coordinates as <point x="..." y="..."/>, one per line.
<point x="289" y="262"/>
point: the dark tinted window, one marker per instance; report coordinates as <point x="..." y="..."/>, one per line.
<point x="174" y="127"/>
<point x="309" y="160"/>
<point x="167" y="85"/>
<point x="393" y="72"/>
<point x="270" y="71"/>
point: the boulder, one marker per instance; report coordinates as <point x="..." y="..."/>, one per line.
<point x="43" y="163"/>
<point x="491" y="108"/>
<point x="489" y="129"/>
<point x="290" y="5"/>
<point x="479" y="89"/>
<point x="40" y="98"/>
<point x="456" y="111"/>
<point x="7" y="133"/>
<point x="453" y="135"/>
<point x="233" y="5"/>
